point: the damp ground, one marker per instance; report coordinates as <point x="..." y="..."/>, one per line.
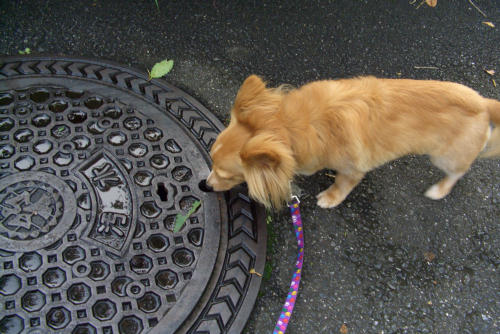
<point x="387" y="260"/>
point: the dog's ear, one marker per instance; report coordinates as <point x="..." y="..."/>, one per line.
<point x="268" y="166"/>
<point x="252" y="87"/>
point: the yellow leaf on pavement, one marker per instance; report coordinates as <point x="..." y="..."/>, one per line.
<point x="429" y="256"/>
<point x="432" y="3"/>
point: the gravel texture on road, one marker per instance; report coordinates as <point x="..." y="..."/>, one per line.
<point x="388" y="260"/>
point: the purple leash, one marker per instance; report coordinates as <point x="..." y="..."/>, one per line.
<point x="286" y="313"/>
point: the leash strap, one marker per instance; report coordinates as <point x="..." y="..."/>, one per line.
<point x="286" y="313"/>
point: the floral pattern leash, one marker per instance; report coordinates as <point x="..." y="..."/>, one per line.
<point x="286" y="313"/>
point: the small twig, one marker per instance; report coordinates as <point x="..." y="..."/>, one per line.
<point x="425" y="67"/>
<point x="420" y="4"/>
<point x="478" y="9"/>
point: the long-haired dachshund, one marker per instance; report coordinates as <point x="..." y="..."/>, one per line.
<point x="351" y="126"/>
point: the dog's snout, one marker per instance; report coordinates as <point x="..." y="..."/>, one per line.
<point x="205" y="187"/>
<point x="209" y="180"/>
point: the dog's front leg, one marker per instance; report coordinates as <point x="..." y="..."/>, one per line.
<point x="338" y="191"/>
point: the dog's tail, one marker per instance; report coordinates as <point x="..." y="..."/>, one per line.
<point x="492" y="149"/>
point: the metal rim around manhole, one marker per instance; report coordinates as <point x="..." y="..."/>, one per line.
<point x="95" y="163"/>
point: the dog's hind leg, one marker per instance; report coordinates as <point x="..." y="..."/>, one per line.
<point x="456" y="157"/>
<point x="443" y="187"/>
<point x="338" y="191"/>
<point x="455" y="163"/>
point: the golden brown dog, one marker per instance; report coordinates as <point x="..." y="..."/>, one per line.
<point x="351" y="126"/>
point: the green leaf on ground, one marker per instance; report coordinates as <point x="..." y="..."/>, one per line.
<point x="26" y="51"/>
<point x="160" y="69"/>
<point x="181" y="219"/>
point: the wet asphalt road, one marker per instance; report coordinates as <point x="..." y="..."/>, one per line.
<point x="388" y="260"/>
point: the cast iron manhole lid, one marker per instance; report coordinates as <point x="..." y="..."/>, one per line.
<point x="95" y="164"/>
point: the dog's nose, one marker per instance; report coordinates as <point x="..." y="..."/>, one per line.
<point x="205" y="187"/>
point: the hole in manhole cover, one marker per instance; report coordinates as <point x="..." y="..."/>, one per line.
<point x="95" y="164"/>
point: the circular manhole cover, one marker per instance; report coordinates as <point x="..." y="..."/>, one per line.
<point x="95" y="164"/>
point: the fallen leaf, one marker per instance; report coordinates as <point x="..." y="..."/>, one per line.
<point x="489" y="24"/>
<point x="181" y="219"/>
<point x="343" y="329"/>
<point x="494" y="82"/>
<point x="431" y="3"/>
<point x="160" y="69"/>
<point x="253" y="272"/>
<point x="490" y="72"/>
<point x="26" y="51"/>
<point x="429" y="256"/>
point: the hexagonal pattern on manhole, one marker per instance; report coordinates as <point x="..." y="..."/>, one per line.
<point x="95" y="163"/>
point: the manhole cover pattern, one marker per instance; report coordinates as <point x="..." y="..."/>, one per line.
<point x="95" y="164"/>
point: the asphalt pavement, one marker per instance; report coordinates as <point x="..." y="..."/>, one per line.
<point x="388" y="260"/>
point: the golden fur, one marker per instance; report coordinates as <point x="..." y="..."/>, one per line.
<point x="351" y="126"/>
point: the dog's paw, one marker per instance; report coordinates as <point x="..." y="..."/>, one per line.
<point x="327" y="200"/>
<point x="435" y="192"/>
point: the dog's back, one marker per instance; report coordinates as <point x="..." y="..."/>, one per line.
<point x="374" y="120"/>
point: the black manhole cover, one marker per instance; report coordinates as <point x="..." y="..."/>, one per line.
<point x="95" y="163"/>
